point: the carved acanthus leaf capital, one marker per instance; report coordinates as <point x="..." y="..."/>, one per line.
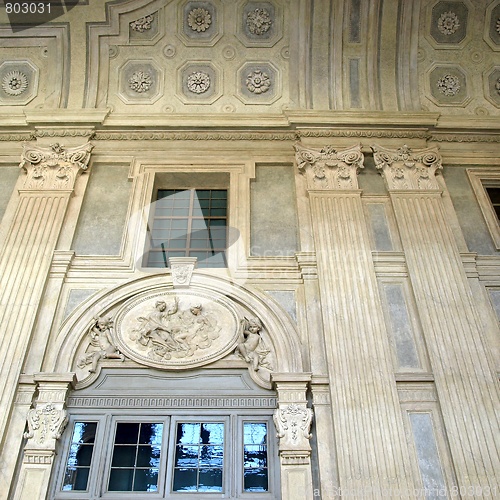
<point x="329" y="168"/>
<point x="407" y="169"/>
<point x="54" y="168"/>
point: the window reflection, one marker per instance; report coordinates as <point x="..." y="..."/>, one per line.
<point x="255" y="467"/>
<point x="199" y="457"/>
<point x="80" y="456"/>
<point x="136" y="457"/>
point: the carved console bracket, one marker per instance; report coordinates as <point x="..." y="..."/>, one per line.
<point x="293" y="421"/>
<point x="47" y="419"/>
<point x="55" y="168"/>
<point x="408" y="169"/>
<point x="329" y="168"/>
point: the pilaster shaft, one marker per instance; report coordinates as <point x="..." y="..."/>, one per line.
<point x="463" y="371"/>
<point x="26" y="256"/>
<point x="372" y="454"/>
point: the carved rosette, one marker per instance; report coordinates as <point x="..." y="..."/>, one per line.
<point x="54" y="168"/>
<point x="177" y="329"/>
<point x="329" y="168"/>
<point x="407" y="169"/>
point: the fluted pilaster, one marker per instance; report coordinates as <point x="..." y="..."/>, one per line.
<point x="371" y="450"/>
<point x="25" y="258"/>
<point x="464" y="373"/>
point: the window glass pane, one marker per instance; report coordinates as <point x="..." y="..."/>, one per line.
<point x="255" y="471"/>
<point x="199" y="456"/>
<point x="80" y="456"/>
<point x="181" y="218"/>
<point x="136" y="457"/>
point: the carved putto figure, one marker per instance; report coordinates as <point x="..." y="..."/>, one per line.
<point x="251" y="346"/>
<point x="170" y="332"/>
<point x="102" y="344"/>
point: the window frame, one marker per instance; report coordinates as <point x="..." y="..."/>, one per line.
<point x="480" y="178"/>
<point x="100" y="468"/>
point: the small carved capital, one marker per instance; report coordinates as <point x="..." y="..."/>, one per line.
<point x="54" y="168"/>
<point x="329" y="168"/>
<point x="408" y="169"/>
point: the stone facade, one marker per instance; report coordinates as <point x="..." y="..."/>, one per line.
<point x="356" y="313"/>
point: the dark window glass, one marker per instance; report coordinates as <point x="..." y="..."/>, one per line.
<point x="76" y="476"/>
<point x="136" y="457"/>
<point x="494" y="195"/>
<point x="189" y="223"/>
<point x="255" y="467"/>
<point x="199" y="456"/>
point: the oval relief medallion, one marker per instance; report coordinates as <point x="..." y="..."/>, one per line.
<point x="176" y="329"/>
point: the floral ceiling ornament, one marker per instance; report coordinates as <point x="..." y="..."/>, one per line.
<point x="448" y="23"/>
<point x="142" y="24"/>
<point x="14" y="83"/>
<point x="259" y="21"/>
<point x="258" y="82"/>
<point x="497" y="85"/>
<point x="498" y="26"/>
<point x="140" y="82"/>
<point x="449" y="85"/>
<point x="198" y="82"/>
<point x="199" y="19"/>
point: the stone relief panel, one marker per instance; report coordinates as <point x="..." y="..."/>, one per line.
<point x="140" y="82"/>
<point x="180" y="329"/>
<point x="448" y="25"/>
<point x="199" y="83"/>
<point x="201" y="23"/>
<point x="18" y="82"/>
<point x="258" y="82"/>
<point x="259" y="24"/>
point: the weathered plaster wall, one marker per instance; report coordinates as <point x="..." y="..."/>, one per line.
<point x="103" y="216"/>
<point x="8" y="178"/>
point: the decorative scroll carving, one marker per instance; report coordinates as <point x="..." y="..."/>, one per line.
<point x="142" y="24"/>
<point x="101" y="345"/>
<point x="251" y="346"/>
<point x="178" y="329"/>
<point x="293" y="423"/>
<point x="46" y="423"/>
<point x="54" y="168"/>
<point x="329" y="168"/>
<point x="404" y="168"/>
<point x="182" y="270"/>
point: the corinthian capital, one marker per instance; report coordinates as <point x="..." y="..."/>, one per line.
<point x="407" y="169"/>
<point x="54" y="168"/>
<point x="329" y="168"/>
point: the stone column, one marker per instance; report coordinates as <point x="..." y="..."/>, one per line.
<point x="26" y="255"/>
<point x="372" y="454"/>
<point x="463" y="369"/>
<point x="46" y="423"/>
<point x="293" y="422"/>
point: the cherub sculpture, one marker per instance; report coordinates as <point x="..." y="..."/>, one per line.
<point x="250" y="347"/>
<point x="102" y="344"/>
